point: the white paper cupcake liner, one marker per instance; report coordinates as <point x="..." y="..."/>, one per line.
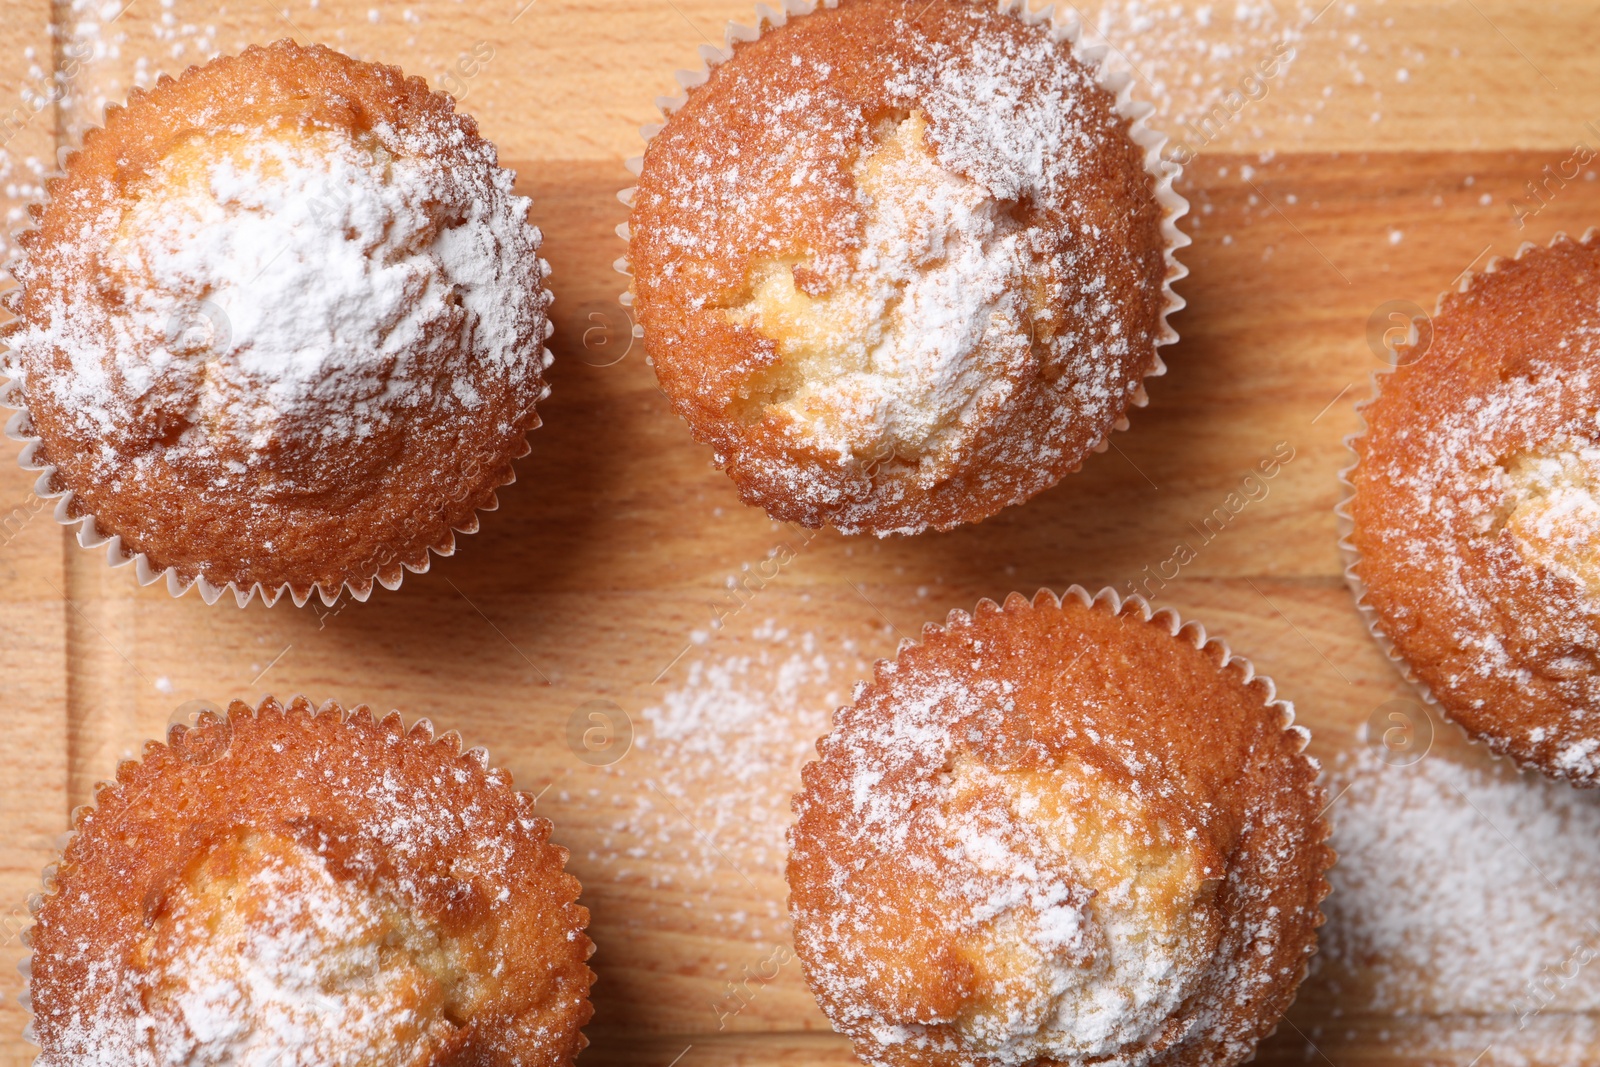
<point x="1068" y="29"/>
<point x="19" y="427"/>
<point x="1346" y="523"/>
<point x="1111" y="602"/>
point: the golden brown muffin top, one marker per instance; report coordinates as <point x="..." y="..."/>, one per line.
<point x="900" y="264"/>
<point x="282" y="321"/>
<point x="1059" y="832"/>
<point x="310" y="888"/>
<point x="1475" y="513"/>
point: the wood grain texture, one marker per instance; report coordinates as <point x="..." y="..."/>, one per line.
<point x="600" y="575"/>
<point x="33" y="623"/>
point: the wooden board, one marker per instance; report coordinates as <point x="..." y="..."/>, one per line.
<point x="1377" y="168"/>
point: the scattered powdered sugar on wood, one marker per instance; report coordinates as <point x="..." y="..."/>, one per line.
<point x="1207" y="69"/>
<point x="1462" y="889"/>
<point x="714" y="770"/>
<point x="26" y="145"/>
<point x="109" y="47"/>
<point x="104" y="56"/>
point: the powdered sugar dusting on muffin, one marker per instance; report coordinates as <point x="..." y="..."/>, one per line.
<point x="273" y="959"/>
<point x="280" y="963"/>
<point x="293" y="347"/>
<point x="1553" y="512"/>
<point x="968" y="893"/>
<point x="288" y="293"/>
<point x="373" y="897"/>
<point x="1075" y="960"/>
<point x="931" y="331"/>
<point x="1007" y="114"/>
<point x="1501" y="504"/>
<point x="293" y="949"/>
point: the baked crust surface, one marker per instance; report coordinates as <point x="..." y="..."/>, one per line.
<point x="899" y="265"/>
<point x="1059" y="833"/>
<point x="1475" y="515"/>
<point x="175" y="400"/>
<point x="310" y="888"/>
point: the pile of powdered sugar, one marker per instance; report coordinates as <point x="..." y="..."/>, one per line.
<point x="290" y="291"/>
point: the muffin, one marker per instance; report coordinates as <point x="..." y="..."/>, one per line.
<point x="281" y="326"/>
<point x="1060" y="832"/>
<point x="902" y="265"/>
<point x="1473" y="523"/>
<point x="302" y="886"/>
